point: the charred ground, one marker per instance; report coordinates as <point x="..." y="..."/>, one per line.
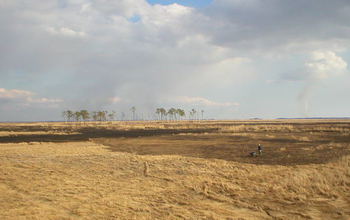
<point x="286" y="142"/>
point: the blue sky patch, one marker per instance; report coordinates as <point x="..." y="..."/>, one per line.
<point x="191" y="3"/>
<point x="135" y="19"/>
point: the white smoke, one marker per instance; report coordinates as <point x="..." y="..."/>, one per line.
<point x="320" y="66"/>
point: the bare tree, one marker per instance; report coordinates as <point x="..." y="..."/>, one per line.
<point x="95" y="115"/>
<point x="77" y="116"/>
<point x="65" y="116"/>
<point x="159" y="113"/>
<point x="122" y="116"/>
<point x="163" y="113"/>
<point x="180" y="112"/>
<point x="133" y="111"/>
<point x="111" y="116"/>
<point x="85" y="115"/>
<point x="101" y="116"/>
<point x="172" y="113"/>
<point x="69" y="115"/>
<point x="193" y="113"/>
<point x="105" y="114"/>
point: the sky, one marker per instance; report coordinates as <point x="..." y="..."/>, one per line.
<point x="189" y="3"/>
<point x="233" y="59"/>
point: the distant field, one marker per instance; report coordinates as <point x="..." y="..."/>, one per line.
<point x="176" y="170"/>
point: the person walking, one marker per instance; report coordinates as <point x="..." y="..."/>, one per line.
<point x="260" y="149"/>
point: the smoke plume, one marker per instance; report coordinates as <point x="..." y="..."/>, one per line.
<point x="321" y="65"/>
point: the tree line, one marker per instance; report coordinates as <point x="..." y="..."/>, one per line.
<point x="178" y="114"/>
<point x="160" y="114"/>
<point x="84" y="115"/>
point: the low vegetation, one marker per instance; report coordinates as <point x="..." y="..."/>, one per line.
<point x="176" y="170"/>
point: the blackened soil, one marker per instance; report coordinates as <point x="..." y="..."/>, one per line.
<point x="276" y="151"/>
<point x="87" y="133"/>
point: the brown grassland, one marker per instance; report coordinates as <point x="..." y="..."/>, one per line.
<point x="175" y="170"/>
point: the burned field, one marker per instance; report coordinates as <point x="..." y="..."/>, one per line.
<point x="284" y="142"/>
<point x="278" y="148"/>
<point x="195" y="170"/>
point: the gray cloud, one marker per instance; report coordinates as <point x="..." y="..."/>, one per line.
<point x="269" y="25"/>
<point x="87" y="52"/>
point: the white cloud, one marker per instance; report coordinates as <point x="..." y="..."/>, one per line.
<point x="43" y="100"/>
<point x="166" y="14"/>
<point x="324" y="64"/>
<point x="318" y="65"/>
<point x="204" y="102"/>
<point x="24" y="98"/>
<point x="65" y="32"/>
<point x="14" y="94"/>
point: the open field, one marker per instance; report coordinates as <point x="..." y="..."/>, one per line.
<point x="175" y="170"/>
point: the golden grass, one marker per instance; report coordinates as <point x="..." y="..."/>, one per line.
<point x="86" y="180"/>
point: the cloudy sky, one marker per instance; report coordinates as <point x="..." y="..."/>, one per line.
<point x="235" y="59"/>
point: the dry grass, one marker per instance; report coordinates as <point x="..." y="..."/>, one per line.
<point x="87" y="180"/>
